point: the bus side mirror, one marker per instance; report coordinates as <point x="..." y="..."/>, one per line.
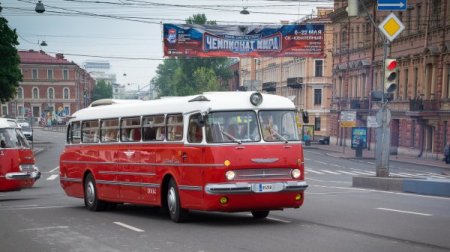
<point x="305" y="117"/>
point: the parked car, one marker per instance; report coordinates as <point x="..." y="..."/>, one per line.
<point x="325" y="140"/>
<point x="27" y="132"/>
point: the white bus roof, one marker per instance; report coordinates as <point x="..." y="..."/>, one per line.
<point x="214" y="101"/>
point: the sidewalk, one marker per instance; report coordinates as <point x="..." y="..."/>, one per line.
<point x="347" y="152"/>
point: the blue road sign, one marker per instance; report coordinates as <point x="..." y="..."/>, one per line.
<point x="392" y="5"/>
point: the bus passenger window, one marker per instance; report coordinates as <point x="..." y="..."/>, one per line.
<point x="131" y="129"/>
<point x="110" y="130"/>
<point x="90" y="131"/>
<point x="75" y="133"/>
<point x="153" y="128"/>
<point x="195" y="133"/>
<point x="174" y="127"/>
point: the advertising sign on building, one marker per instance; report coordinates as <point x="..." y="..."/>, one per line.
<point x="348" y="119"/>
<point x="359" y="138"/>
<point x="183" y="40"/>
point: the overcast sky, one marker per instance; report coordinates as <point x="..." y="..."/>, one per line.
<point x="127" y="33"/>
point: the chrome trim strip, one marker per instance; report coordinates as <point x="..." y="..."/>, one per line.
<point x="190" y="188"/>
<point x="264" y="160"/>
<point x="127" y="173"/>
<point x="78" y="180"/>
<point x="17" y="175"/>
<point x="262" y="175"/>
<point x="138" y="184"/>
<point x="234" y="188"/>
<point x="143" y="164"/>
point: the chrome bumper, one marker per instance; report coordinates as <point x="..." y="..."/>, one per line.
<point x="253" y="187"/>
<point x="36" y="174"/>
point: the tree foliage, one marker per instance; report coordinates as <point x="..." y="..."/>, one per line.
<point x="10" y="74"/>
<point x="187" y="76"/>
<point x="102" y="90"/>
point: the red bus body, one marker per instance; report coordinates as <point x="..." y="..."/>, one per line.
<point x="17" y="162"/>
<point x="139" y="172"/>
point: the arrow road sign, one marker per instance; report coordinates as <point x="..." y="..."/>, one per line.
<point x="391" y="5"/>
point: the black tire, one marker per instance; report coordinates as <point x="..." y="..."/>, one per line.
<point x="260" y="214"/>
<point x="91" y="200"/>
<point x="176" y="213"/>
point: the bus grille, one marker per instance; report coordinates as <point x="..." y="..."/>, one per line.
<point x="269" y="173"/>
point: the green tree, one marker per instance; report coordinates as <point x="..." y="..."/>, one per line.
<point x="102" y="90"/>
<point x="9" y="62"/>
<point x="187" y="76"/>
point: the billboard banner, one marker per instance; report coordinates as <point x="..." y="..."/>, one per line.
<point x="183" y="40"/>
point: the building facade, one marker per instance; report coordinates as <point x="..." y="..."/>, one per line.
<point x="420" y="107"/>
<point x="306" y="81"/>
<point x="52" y="88"/>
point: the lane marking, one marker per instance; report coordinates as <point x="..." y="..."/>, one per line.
<point x="279" y="220"/>
<point x="45" y="228"/>
<point x="309" y="170"/>
<point x="401" y="211"/>
<point x="53" y="177"/>
<point x="14" y="208"/>
<point x="331" y="172"/>
<point x="320" y="162"/>
<point x="349" y="173"/>
<point x="54" y="169"/>
<point x="128" y="226"/>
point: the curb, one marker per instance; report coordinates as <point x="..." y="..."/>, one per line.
<point x="425" y="186"/>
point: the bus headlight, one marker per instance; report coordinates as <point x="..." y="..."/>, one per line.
<point x="230" y="175"/>
<point x="256" y="99"/>
<point x="296" y="173"/>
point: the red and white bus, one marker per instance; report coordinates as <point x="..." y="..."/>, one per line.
<point x="218" y="151"/>
<point x="17" y="163"/>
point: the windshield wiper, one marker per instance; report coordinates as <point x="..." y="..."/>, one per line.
<point x="229" y="135"/>
<point x="279" y="136"/>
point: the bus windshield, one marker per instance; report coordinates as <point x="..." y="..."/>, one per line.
<point x="242" y="126"/>
<point x="12" y="138"/>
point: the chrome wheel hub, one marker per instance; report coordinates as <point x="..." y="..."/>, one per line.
<point x="171" y="200"/>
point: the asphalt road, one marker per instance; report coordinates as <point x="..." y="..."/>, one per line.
<point x="335" y="216"/>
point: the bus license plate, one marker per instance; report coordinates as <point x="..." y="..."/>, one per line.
<point x="264" y="188"/>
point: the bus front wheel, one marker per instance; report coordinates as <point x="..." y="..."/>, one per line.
<point x="260" y="214"/>
<point x="176" y="213"/>
<point x="91" y="200"/>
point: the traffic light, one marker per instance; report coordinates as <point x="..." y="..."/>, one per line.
<point x="305" y="117"/>
<point x="390" y="75"/>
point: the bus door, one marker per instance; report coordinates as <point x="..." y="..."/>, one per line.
<point x="193" y="157"/>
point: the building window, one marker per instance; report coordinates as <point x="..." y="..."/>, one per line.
<point x="319" y="68"/>
<point x="66" y="94"/>
<point x="50" y="74"/>
<point x="19" y="93"/>
<point x="317" y="96"/>
<point x="435" y="13"/>
<point x="35" y="93"/>
<point x="20" y="111"/>
<point x="65" y="74"/>
<point x="418" y="17"/>
<point x="4" y="109"/>
<point x="317" y="124"/>
<point x="34" y="74"/>
<point x="416" y="81"/>
<point x="66" y="110"/>
<point x="50" y="93"/>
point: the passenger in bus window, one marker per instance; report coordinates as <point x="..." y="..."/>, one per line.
<point x="195" y="132"/>
<point x="160" y="133"/>
<point x="269" y="129"/>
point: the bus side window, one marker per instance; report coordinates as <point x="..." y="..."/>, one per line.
<point x="109" y="130"/>
<point x="90" y="131"/>
<point x="153" y="128"/>
<point x="131" y="129"/>
<point x="75" y="134"/>
<point x="195" y="134"/>
<point x="175" y="127"/>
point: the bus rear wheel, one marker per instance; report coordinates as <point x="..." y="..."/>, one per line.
<point x="260" y="214"/>
<point x="91" y="200"/>
<point x="176" y="213"/>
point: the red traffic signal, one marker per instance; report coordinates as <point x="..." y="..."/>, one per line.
<point x="390" y="75"/>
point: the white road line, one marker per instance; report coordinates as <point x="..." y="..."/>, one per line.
<point x="128" y="226"/>
<point x="346" y="172"/>
<point x="45" y="228"/>
<point x="307" y="159"/>
<point x="364" y="172"/>
<point x="372" y="163"/>
<point x="335" y="165"/>
<point x="316" y="172"/>
<point x="280" y="220"/>
<point x="54" y="169"/>
<point x="331" y="172"/>
<point x="320" y="162"/>
<point x="15" y="208"/>
<point x="400" y="211"/>
<point x="53" y="177"/>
